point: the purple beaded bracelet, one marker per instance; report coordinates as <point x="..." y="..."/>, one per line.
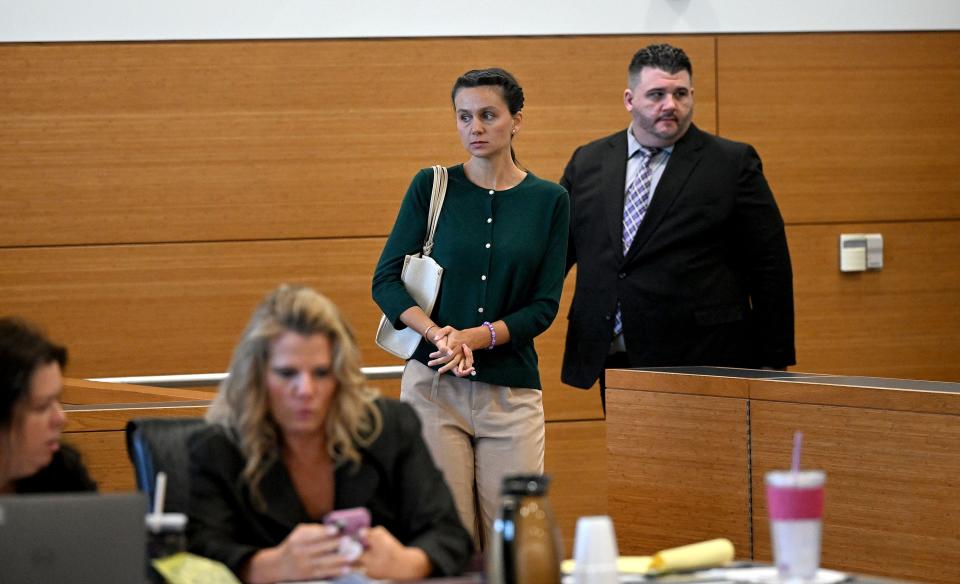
<point x="493" y="335"/>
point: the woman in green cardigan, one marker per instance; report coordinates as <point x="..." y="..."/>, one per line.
<point x="502" y="240"/>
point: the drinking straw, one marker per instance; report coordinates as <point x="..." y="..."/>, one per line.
<point x="160" y="493"/>
<point x="797" y="445"/>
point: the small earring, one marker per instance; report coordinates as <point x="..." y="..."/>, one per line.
<point x="514" y="131"/>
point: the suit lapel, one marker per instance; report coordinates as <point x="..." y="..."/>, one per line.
<point x="614" y="174"/>
<point x="283" y="502"/>
<point x="355" y="486"/>
<point x="684" y="158"/>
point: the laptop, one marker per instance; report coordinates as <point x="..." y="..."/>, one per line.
<point x="77" y="538"/>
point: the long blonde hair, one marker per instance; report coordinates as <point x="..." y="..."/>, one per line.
<point x="242" y="405"/>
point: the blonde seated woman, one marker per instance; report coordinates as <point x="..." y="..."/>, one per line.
<point x="296" y="434"/>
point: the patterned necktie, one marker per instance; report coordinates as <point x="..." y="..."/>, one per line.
<point x="634" y="208"/>
<point x="638" y="196"/>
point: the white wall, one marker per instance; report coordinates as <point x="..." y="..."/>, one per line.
<point x="111" y="20"/>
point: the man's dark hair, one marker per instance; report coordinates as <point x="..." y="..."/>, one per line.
<point x="663" y="56"/>
<point x="23" y="348"/>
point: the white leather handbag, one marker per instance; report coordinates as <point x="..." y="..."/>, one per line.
<point x="421" y="276"/>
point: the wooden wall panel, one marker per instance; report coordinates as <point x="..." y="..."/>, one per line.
<point x="576" y="460"/>
<point x="887" y="475"/>
<point x="180" y="308"/>
<point x="901" y="321"/>
<point x="851" y="127"/>
<point x="672" y="483"/>
<point x="175" y="308"/>
<point x="82" y="392"/>
<point x="185" y="141"/>
<point x="105" y="456"/>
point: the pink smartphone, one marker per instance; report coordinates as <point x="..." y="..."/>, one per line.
<point x="348" y="521"/>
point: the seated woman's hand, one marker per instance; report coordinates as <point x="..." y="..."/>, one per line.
<point x="308" y="553"/>
<point x="388" y="559"/>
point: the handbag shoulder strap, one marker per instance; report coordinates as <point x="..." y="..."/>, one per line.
<point x="436" y="203"/>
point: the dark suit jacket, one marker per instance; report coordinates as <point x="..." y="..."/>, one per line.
<point x="707" y="280"/>
<point x="396" y="481"/>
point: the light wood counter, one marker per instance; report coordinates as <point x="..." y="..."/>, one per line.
<point x="688" y="449"/>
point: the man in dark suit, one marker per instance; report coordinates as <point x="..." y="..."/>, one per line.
<point x="680" y="248"/>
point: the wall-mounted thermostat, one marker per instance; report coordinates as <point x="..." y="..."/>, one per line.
<point x="860" y="252"/>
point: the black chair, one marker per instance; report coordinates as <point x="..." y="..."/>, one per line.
<point x="160" y="444"/>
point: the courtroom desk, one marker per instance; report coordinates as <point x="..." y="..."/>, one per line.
<point x="688" y="447"/>
<point x="677" y="455"/>
<point x="891" y="450"/>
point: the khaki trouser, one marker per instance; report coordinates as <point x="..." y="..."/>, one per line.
<point x="477" y="433"/>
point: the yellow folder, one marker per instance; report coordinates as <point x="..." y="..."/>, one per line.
<point x="705" y="554"/>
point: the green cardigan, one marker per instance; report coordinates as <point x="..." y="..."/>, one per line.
<point x="503" y="256"/>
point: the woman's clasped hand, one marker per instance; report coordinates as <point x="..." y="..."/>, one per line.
<point x="453" y="351"/>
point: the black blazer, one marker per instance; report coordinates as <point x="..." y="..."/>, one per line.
<point x="707" y="280"/>
<point x="396" y="481"/>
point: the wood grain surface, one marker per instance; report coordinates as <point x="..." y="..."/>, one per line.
<point x="836" y="392"/>
<point x="900" y="321"/>
<point x="576" y="460"/>
<point x="681" y="463"/>
<point x="835" y="119"/>
<point x="677" y="470"/>
<point x="713" y="385"/>
<point x="80" y="392"/>
<point x="224" y="140"/>
<point x="891" y="504"/>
